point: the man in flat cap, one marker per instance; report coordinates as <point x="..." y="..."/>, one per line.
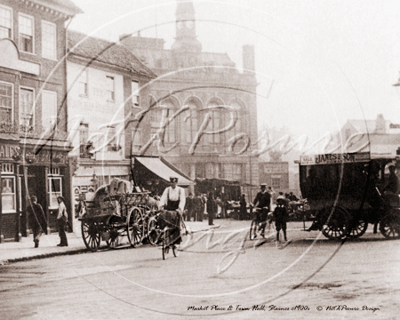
<point x="263" y="202"/>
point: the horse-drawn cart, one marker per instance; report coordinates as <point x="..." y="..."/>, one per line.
<point x="115" y="212"/>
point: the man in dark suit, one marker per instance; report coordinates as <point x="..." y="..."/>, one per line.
<point x="262" y="201"/>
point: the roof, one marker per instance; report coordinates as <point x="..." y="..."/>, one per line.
<point x="163" y="169"/>
<point x="65" y="6"/>
<point x="163" y="59"/>
<point x="107" y="52"/>
<point x="366" y="125"/>
<point x="378" y="145"/>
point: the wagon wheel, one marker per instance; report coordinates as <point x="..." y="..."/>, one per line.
<point x="153" y="231"/>
<point x="253" y="229"/>
<point x="390" y="226"/>
<point x="336" y="221"/>
<point x="358" y="230"/>
<point x="90" y="235"/>
<point x="135" y="226"/>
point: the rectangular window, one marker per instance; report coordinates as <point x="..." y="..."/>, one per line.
<point x="136" y="140"/>
<point x="83" y="83"/>
<point x="237" y="172"/>
<point x="83" y="140"/>
<point x="5" y="23"/>
<point x="111" y="139"/>
<point x="49" y="109"/>
<point x="6" y="102"/>
<point x="26" y="32"/>
<point x="135" y="93"/>
<point x="49" y="40"/>
<point x="55" y="190"/>
<point x="7" y="168"/>
<point x="276" y="183"/>
<point x="110" y="88"/>
<point x="26" y="110"/>
<point x="8" y="194"/>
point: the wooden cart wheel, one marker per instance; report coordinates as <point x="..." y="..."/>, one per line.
<point x="336" y="221"/>
<point x="253" y="229"/>
<point x="359" y="229"/>
<point x="90" y="235"/>
<point x="153" y="231"/>
<point x="135" y="227"/>
<point x="389" y="226"/>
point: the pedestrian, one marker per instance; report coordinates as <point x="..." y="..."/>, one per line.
<point x="189" y="207"/>
<point x="281" y="216"/>
<point x="198" y="207"/>
<point x="81" y="209"/>
<point x="62" y="221"/>
<point x="262" y="201"/>
<point x="37" y="220"/>
<point x="243" y="207"/>
<point x="211" y="208"/>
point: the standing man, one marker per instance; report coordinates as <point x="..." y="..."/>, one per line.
<point x="37" y="220"/>
<point x="173" y="199"/>
<point x="262" y="201"/>
<point x="62" y="221"/>
<point x="189" y="207"/>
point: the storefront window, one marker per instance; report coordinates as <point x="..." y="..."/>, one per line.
<point x="55" y="190"/>
<point x="8" y="194"/>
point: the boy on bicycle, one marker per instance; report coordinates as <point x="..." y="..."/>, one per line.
<point x="262" y="201"/>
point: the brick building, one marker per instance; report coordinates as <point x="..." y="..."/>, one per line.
<point x="33" y="113"/>
<point x="103" y="89"/>
<point x="203" y="83"/>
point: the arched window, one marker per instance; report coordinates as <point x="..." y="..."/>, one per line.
<point x="240" y="121"/>
<point x="155" y="117"/>
<point x="168" y="110"/>
<point x="215" y="122"/>
<point x="190" y="122"/>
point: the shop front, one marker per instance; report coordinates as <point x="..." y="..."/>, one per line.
<point x="10" y="182"/>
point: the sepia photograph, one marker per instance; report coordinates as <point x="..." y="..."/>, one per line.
<point x="199" y="159"/>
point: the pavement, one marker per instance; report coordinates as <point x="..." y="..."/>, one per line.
<point x="25" y="250"/>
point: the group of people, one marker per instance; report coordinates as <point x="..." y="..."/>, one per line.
<point x="38" y="222"/>
<point x="263" y="203"/>
<point x="197" y="206"/>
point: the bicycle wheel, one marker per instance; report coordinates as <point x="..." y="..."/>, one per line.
<point x="153" y="231"/>
<point x="164" y="243"/>
<point x="253" y="229"/>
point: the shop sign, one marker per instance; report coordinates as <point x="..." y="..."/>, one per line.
<point x="332" y="158"/>
<point x="8" y="151"/>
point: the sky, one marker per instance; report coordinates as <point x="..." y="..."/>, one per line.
<point x="318" y="62"/>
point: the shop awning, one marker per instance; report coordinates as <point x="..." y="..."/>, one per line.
<point x="163" y="169"/>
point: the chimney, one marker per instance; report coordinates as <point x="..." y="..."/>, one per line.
<point x="380" y="126"/>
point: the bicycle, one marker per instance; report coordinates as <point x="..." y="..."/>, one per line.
<point x="258" y="227"/>
<point x="162" y="236"/>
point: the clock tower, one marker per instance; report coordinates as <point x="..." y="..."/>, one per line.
<point x="186" y="48"/>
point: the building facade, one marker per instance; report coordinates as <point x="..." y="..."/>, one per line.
<point x="33" y="112"/>
<point x="275" y="175"/>
<point x="201" y="111"/>
<point x="103" y="92"/>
